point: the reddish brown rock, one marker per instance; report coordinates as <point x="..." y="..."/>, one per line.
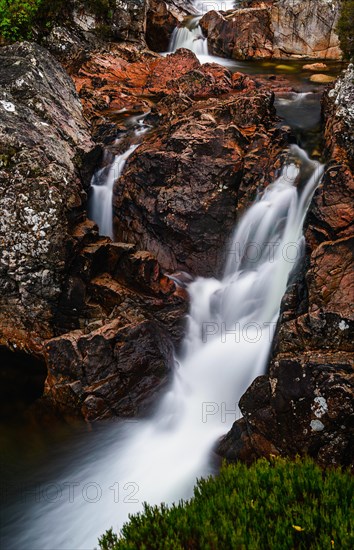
<point x="181" y="188"/>
<point x="115" y="370"/>
<point x="108" y="83"/>
<point x="245" y="34"/>
<point x="119" y="315"/>
<point x="279" y="29"/>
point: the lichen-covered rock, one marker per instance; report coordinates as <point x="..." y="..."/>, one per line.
<point x="276" y="28"/>
<point x="62" y="283"/>
<point x="43" y="136"/>
<point x="306" y="404"/>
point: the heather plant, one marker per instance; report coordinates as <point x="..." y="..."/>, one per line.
<point x="280" y="505"/>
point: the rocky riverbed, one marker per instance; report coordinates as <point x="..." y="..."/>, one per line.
<point x="105" y="316"/>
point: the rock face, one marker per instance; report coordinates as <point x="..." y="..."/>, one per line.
<point x="179" y="194"/>
<point x="43" y="137"/>
<point x="62" y="284"/>
<point x="103" y="315"/>
<point x="306" y="28"/>
<point x="306" y="404"/>
<point x="283" y="29"/>
<point x="216" y="143"/>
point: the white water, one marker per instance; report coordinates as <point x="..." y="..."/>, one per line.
<point x="191" y="37"/>
<point x="158" y="460"/>
<point x="100" y="205"/>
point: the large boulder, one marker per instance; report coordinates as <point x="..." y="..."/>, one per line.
<point x="245" y="34"/>
<point x="43" y="139"/>
<point x="306" y="403"/>
<point x="281" y="29"/>
<point x="181" y="189"/>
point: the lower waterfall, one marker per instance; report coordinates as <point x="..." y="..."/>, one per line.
<point x="230" y="329"/>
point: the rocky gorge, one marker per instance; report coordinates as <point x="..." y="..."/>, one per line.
<point x="107" y="316"/>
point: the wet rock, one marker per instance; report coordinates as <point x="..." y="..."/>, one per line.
<point x="322" y="78"/>
<point x="43" y="140"/>
<point x="306" y="403"/>
<point x="278" y="29"/>
<point x="119" y="316"/>
<point x="181" y="188"/>
<point x="115" y="370"/>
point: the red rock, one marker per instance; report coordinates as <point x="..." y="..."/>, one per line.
<point x="180" y="189"/>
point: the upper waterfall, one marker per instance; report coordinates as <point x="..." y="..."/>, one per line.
<point x="189" y="36"/>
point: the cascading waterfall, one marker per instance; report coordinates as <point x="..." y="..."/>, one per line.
<point x="100" y="204"/>
<point x="230" y="329"/>
<point x="189" y="36"/>
<point x="100" y="207"/>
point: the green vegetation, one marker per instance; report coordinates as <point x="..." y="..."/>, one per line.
<point x="282" y="505"/>
<point x="25" y="19"/>
<point x="345" y="28"/>
<point x="17" y="17"/>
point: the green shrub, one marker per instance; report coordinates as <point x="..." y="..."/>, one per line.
<point x="17" y="17"/>
<point x="282" y="505"/>
<point x="345" y="28"/>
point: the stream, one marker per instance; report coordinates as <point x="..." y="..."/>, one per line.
<point x="66" y="485"/>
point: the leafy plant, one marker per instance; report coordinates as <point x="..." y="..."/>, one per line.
<point x="282" y="505"/>
<point x="17" y="17"/>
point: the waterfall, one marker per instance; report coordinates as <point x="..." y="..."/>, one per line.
<point x="230" y="329"/>
<point x="189" y="36"/>
<point x="100" y="207"/>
